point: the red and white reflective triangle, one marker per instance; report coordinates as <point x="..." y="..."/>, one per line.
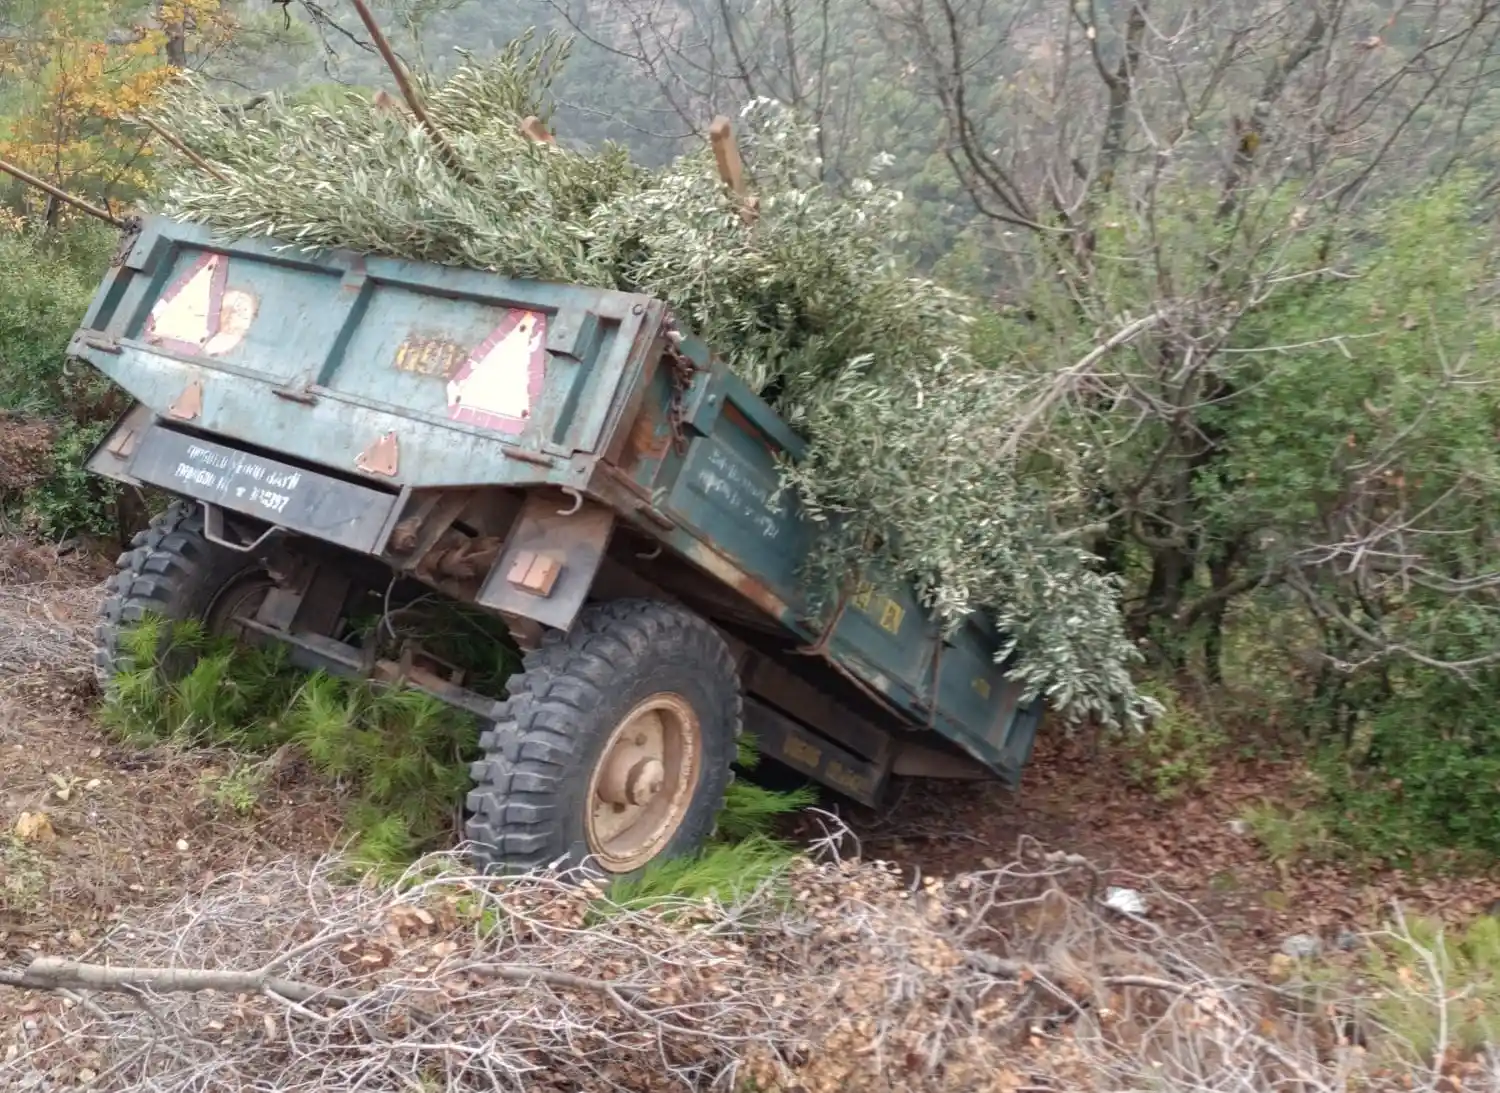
<point x="200" y="314"/>
<point x="499" y="384"/>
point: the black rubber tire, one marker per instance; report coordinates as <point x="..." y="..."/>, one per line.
<point x="171" y="570"/>
<point x="528" y="807"/>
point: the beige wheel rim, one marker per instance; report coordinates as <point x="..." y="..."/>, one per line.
<point x="641" y="790"/>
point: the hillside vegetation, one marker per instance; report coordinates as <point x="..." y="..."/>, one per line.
<point x="1234" y="267"/>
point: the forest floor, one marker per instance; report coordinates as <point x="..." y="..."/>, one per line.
<point x="127" y="828"/>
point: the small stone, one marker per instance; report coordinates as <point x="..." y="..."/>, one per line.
<point x="1239" y="827"/>
<point x="1348" y="941"/>
<point x="182" y="844"/>
<point x="34" y="827"/>
<point x="1302" y="946"/>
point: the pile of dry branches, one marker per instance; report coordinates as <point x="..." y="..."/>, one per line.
<point x="1014" y="979"/>
<point x="25" y="453"/>
<point x="47" y="608"/>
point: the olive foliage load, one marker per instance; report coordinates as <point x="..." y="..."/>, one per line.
<point x="909" y="462"/>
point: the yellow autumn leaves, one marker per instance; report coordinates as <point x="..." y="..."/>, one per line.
<point x="76" y="70"/>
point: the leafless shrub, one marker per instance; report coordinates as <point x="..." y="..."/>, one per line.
<point x="1012" y="979"/>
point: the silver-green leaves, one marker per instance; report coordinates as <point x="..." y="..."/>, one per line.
<point x="812" y="305"/>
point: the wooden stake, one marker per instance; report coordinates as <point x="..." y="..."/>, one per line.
<point x="732" y="167"/>
<point x="408" y="92"/>
<point x="177" y="142"/>
<point x="61" y="195"/>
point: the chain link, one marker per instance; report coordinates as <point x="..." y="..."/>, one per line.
<point x="682" y="374"/>
<point x="130" y="231"/>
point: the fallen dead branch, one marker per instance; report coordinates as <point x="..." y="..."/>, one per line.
<point x="52" y="974"/>
<point x="291" y="978"/>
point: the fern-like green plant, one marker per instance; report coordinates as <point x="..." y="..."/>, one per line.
<point x="721" y="872"/>
<point x="1433" y="986"/>
<point x="751" y="810"/>
<point x="323" y="721"/>
<point x="403" y="753"/>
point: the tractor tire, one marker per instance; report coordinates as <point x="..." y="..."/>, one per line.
<point x="172" y="570"/>
<point x="614" y="747"/>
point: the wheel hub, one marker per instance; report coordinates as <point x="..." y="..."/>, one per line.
<point x="644" y="782"/>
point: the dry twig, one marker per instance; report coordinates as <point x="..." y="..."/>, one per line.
<point x="858" y="982"/>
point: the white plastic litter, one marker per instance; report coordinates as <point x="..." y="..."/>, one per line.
<point x="1127" y="901"/>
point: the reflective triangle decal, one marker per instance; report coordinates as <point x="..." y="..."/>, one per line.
<point x="200" y="314"/>
<point x="501" y="381"/>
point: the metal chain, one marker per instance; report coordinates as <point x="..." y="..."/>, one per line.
<point x="682" y="374"/>
<point x="129" y="233"/>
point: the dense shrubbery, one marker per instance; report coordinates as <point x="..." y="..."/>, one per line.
<point x="1363" y="466"/>
<point x="47" y="279"/>
<point x="1422" y="779"/>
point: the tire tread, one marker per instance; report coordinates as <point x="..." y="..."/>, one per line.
<point x="530" y="752"/>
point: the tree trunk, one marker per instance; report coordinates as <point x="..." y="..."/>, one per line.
<point x="176" y="31"/>
<point x="1171" y="573"/>
<point x="1220" y="571"/>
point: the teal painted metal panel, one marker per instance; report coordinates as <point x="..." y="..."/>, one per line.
<point x="728" y="488"/>
<point x="733" y="520"/>
<point x="486" y="381"/>
<point x="369" y="346"/>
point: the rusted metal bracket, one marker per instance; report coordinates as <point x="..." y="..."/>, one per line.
<point x="819" y="648"/>
<point x="547" y="568"/>
<point x="381" y="457"/>
<point x="301" y="392"/>
<point x="188" y="405"/>
<point x="101" y="343"/>
<point x="416" y="535"/>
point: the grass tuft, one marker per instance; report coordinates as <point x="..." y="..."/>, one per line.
<point x="724" y="872"/>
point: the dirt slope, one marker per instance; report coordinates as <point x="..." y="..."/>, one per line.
<point x="126" y="828"/>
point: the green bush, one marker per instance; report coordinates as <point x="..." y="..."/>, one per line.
<point x="1289" y="834"/>
<point x="1423" y="780"/>
<point x="1176" y="751"/>
<point x="48" y="280"/>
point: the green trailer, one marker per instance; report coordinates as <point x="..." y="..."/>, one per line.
<point x="567" y="459"/>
